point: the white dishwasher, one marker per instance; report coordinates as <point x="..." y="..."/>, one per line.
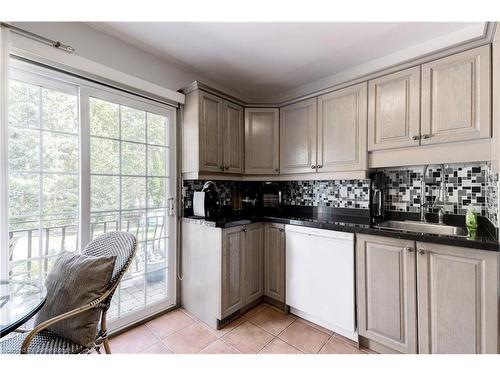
<point x="320" y="278"/>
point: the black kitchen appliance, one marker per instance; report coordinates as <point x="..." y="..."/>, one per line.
<point x="207" y="202"/>
<point x="377" y="196"/>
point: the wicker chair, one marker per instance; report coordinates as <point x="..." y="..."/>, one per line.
<point x="41" y="340"/>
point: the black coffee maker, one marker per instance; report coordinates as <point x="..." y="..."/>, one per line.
<point x="212" y="200"/>
<point x="377" y="196"/>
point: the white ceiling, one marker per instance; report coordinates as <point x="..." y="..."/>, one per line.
<point x="264" y="60"/>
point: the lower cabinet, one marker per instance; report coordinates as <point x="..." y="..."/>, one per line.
<point x="274" y="261"/>
<point x="242" y="280"/>
<point x="449" y="293"/>
<point x="387" y="292"/>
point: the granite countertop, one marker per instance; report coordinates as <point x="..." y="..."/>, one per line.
<point x="345" y="221"/>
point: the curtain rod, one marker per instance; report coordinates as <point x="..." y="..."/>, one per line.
<point x="42" y="39"/>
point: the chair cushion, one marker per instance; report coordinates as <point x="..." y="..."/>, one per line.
<point x="74" y="281"/>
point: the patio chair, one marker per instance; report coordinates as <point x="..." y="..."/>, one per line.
<point x="40" y="340"/>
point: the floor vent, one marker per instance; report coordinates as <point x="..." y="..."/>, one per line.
<point x="228" y="319"/>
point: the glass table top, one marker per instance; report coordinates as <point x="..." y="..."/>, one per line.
<point x="19" y="301"/>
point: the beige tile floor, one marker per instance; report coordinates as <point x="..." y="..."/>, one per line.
<point x="262" y="330"/>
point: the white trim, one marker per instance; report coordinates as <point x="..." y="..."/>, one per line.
<point x="4" y="193"/>
<point x="33" y="50"/>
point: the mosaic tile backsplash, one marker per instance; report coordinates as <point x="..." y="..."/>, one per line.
<point x="465" y="185"/>
<point x="333" y="193"/>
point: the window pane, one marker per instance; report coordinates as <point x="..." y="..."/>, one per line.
<point x="60" y="193"/>
<point x="133" y="159"/>
<point x="156" y="283"/>
<point x="133" y="192"/>
<point x="105" y="193"/>
<point x="24" y="150"/>
<point x="104" y="118"/>
<point x="132" y="295"/>
<point x="157" y="129"/>
<point x="156" y="192"/>
<point x="137" y="266"/>
<point x="134" y="222"/>
<point x="105" y="156"/>
<point x="24" y="105"/>
<point x="157" y="161"/>
<point x="23" y="194"/>
<point x="101" y="223"/>
<point x="133" y="124"/>
<point x="60" y="234"/>
<point x="156" y="227"/>
<point x="60" y="152"/>
<point x="60" y="111"/>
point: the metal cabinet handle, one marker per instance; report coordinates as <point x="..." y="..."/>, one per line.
<point x="281" y="230"/>
<point x="221" y="167"/>
<point x="415" y="137"/>
<point x="320" y="166"/>
<point x="313" y="167"/>
<point x="425" y="136"/>
<point x="421" y="251"/>
<point x="244" y="229"/>
<point x="226" y="168"/>
<point x="276" y="170"/>
<point x="409" y="249"/>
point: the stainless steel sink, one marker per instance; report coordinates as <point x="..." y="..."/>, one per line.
<point x="421" y="227"/>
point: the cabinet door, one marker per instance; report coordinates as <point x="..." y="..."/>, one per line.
<point x="262" y="141"/>
<point x="394" y="110"/>
<point x="254" y="251"/>
<point x="386" y="288"/>
<point x="456" y="97"/>
<point x="233" y="250"/>
<point x="233" y="137"/>
<point x="457" y="299"/>
<point x="342" y="129"/>
<point x="274" y="261"/>
<point x="298" y="137"/>
<point x="210" y="123"/>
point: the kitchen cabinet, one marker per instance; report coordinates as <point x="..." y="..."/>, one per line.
<point x="210" y="121"/>
<point x="386" y="283"/>
<point x="212" y="135"/>
<point x="342" y="122"/>
<point x="394" y="110"/>
<point x="262" y="141"/>
<point x="254" y="262"/>
<point x="298" y="130"/>
<point x="242" y="273"/>
<point x="456" y="303"/>
<point x="274" y="261"/>
<point x="233" y="138"/>
<point x="232" y="270"/>
<point x="457" y="299"/>
<point x="456" y="97"/>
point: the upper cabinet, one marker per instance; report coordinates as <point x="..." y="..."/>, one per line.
<point x="456" y="97"/>
<point x="394" y="110"/>
<point x="213" y="135"/>
<point x="342" y="130"/>
<point x="233" y="141"/>
<point x="210" y="130"/>
<point x="262" y="141"/>
<point x="298" y="137"/>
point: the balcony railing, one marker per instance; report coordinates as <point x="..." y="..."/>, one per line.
<point x="65" y="238"/>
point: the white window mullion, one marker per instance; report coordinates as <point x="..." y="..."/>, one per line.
<point x="84" y="178"/>
<point x="4" y="190"/>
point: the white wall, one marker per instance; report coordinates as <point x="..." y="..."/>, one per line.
<point x="107" y="50"/>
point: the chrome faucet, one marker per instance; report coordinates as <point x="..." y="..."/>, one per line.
<point x="440" y="200"/>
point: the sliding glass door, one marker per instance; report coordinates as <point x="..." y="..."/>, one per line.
<point x="84" y="160"/>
